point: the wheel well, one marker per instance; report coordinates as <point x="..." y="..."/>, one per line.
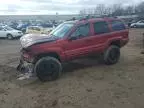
<point x="9" y="34"/>
<point x="117" y="43"/>
<point x="55" y="55"/>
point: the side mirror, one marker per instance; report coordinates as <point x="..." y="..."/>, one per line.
<point x="72" y="38"/>
<point x="76" y="37"/>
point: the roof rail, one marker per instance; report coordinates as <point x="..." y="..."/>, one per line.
<point x="92" y="16"/>
<point x="89" y="17"/>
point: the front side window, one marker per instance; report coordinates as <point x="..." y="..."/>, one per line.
<point x="101" y="27"/>
<point x="81" y="31"/>
<point x="118" y="25"/>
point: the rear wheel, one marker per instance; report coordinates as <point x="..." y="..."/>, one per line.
<point x="48" y="69"/>
<point x="112" y="55"/>
<point x="9" y="37"/>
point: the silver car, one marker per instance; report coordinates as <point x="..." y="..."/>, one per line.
<point x="9" y="33"/>
<point x="138" y="24"/>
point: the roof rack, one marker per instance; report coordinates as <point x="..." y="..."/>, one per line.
<point x="81" y="18"/>
<point x="93" y="16"/>
<point x="88" y="17"/>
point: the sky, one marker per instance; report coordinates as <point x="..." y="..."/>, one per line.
<point x="51" y="7"/>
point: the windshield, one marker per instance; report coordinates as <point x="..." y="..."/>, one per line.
<point x="8" y="28"/>
<point x="61" y="30"/>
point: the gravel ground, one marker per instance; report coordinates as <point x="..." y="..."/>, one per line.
<point x="84" y="83"/>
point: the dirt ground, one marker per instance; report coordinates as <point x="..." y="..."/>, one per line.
<point x="84" y="83"/>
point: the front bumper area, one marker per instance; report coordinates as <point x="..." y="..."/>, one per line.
<point x="25" y="67"/>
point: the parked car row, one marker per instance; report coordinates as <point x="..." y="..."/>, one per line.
<point x="26" y="24"/>
<point x="10" y="33"/>
<point x="23" y="25"/>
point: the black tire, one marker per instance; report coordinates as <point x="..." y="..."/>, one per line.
<point x="135" y="26"/>
<point x="112" y="55"/>
<point x="48" y="69"/>
<point x="9" y="37"/>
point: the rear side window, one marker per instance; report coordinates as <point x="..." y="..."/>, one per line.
<point x="118" y="25"/>
<point x="101" y="27"/>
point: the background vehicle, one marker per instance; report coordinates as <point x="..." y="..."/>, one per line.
<point x="34" y="29"/>
<point x="72" y="40"/>
<point x="139" y="24"/>
<point x="22" y="27"/>
<point x="9" y="33"/>
<point x="38" y="30"/>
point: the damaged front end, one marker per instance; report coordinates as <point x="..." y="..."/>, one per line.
<point x="25" y="67"/>
<point x="28" y="51"/>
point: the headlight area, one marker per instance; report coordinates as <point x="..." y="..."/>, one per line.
<point x="26" y="55"/>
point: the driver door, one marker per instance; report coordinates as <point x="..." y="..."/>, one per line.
<point x="79" y="42"/>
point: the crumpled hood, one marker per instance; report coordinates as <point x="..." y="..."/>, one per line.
<point x="30" y="39"/>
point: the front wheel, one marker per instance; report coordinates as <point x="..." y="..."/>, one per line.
<point x="112" y="55"/>
<point x="48" y="69"/>
<point x="9" y="37"/>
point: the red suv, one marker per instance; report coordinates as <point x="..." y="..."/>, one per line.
<point x="72" y="40"/>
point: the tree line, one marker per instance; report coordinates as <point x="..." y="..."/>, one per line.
<point x="114" y="10"/>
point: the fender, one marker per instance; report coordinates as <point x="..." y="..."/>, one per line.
<point x="113" y="39"/>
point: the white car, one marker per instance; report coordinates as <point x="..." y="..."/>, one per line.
<point x="9" y="33"/>
<point x="137" y="24"/>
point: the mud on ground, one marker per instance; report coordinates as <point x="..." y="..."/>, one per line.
<point x="84" y="83"/>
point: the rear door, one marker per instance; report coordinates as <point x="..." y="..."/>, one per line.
<point x="101" y="32"/>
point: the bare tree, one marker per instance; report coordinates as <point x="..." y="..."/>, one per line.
<point x="117" y="10"/>
<point x="90" y="11"/>
<point x="82" y="12"/>
<point x="108" y="10"/>
<point x="100" y="9"/>
<point x="140" y="8"/>
<point x="114" y="10"/>
<point x="129" y="10"/>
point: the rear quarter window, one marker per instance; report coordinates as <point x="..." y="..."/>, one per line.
<point x="117" y="25"/>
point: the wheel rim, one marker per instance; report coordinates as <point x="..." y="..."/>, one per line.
<point x="47" y="69"/>
<point x="9" y="37"/>
<point x="114" y="55"/>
